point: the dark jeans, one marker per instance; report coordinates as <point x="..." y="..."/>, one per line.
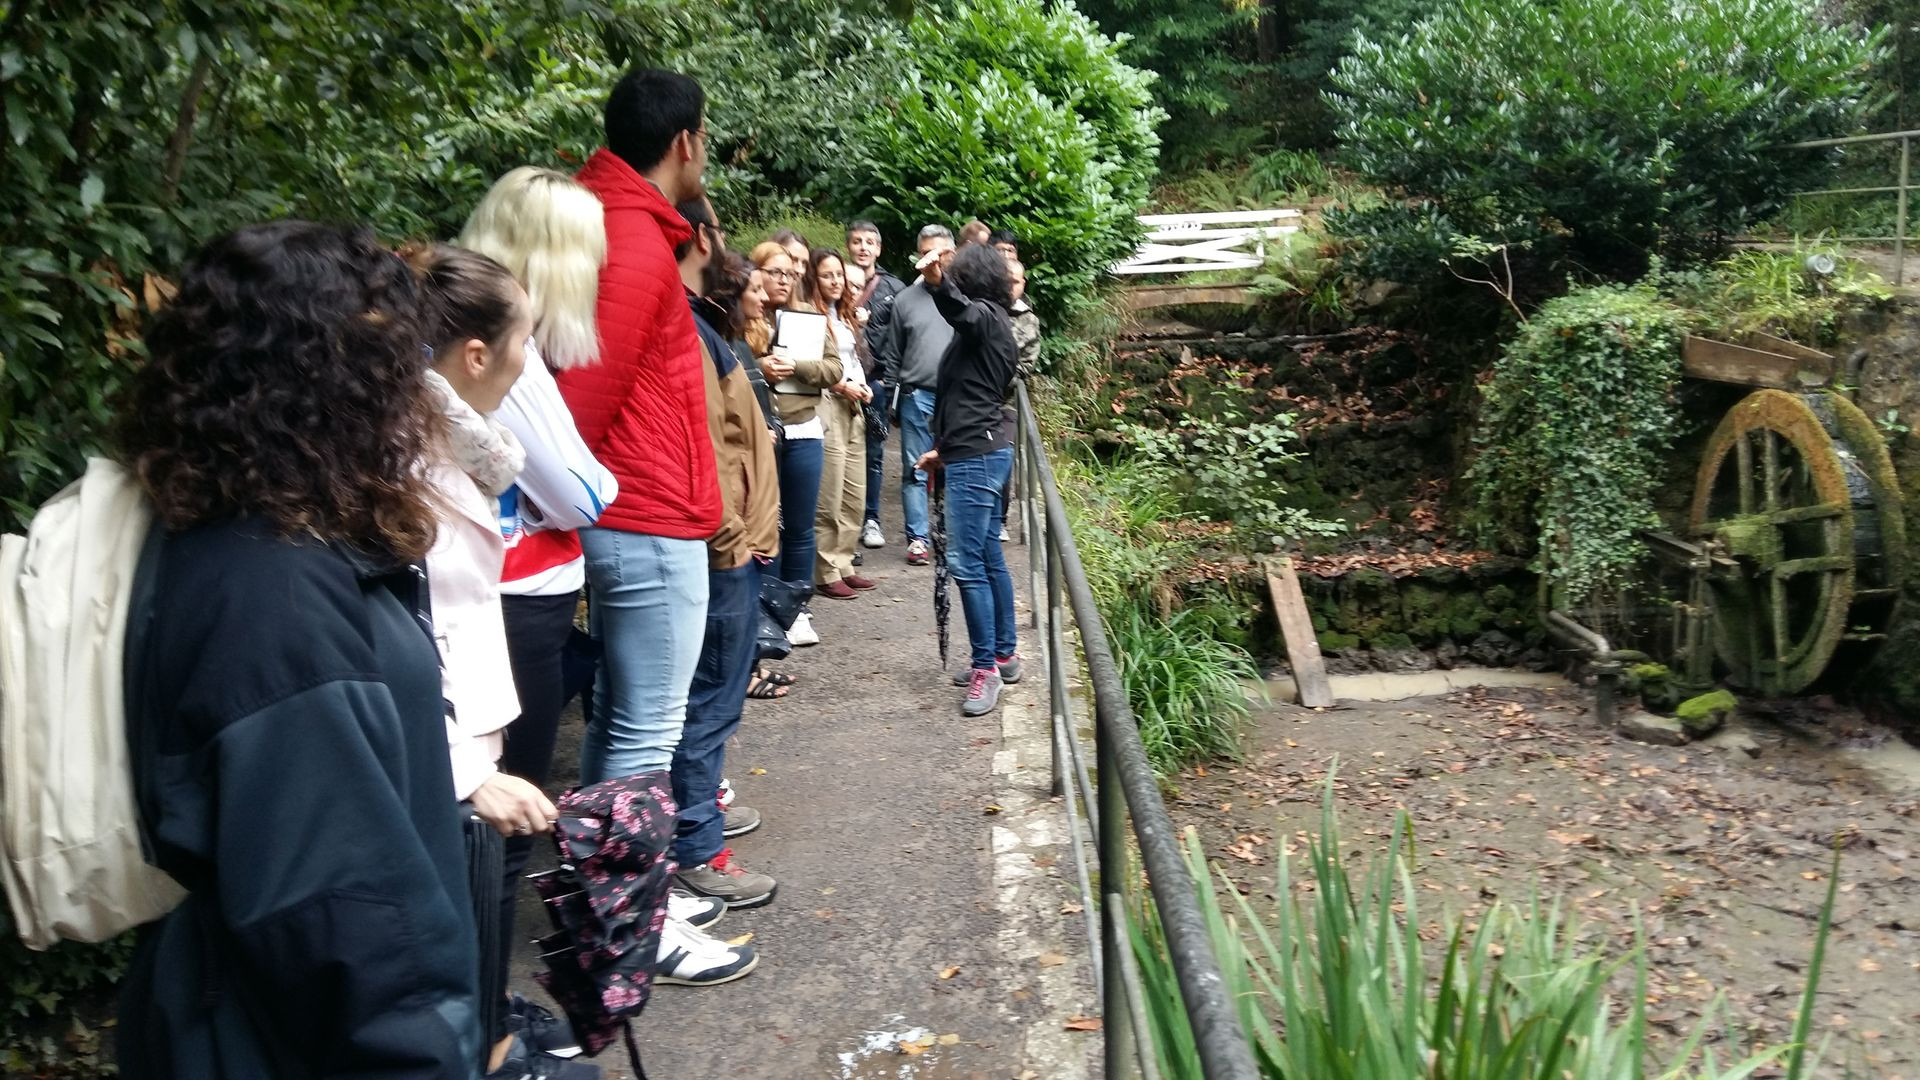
<point x="800" y="466"/>
<point x="537" y="630"/>
<point x="718" y="694"/>
<point x="974" y="556"/>
<point x="876" y="456"/>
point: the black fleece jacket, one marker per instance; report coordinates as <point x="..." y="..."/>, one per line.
<point x="290" y="763"/>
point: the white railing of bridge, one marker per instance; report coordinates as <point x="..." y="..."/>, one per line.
<point x="1190" y="243"/>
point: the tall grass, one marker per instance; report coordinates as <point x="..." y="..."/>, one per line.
<point x="1334" y="981"/>
<point x="1186" y="686"/>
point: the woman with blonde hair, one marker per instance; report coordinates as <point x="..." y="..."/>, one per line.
<point x="546" y="230"/>
<point x="797" y="386"/>
<point x="843" y="474"/>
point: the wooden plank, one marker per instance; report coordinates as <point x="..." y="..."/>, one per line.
<point x="1145" y="297"/>
<point x="1296" y="631"/>
<point x="1724" y="361"/>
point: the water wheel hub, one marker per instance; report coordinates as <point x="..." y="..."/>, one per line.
<point x="1798" y="490"/>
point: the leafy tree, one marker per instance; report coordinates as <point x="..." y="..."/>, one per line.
<point x="1202" y="52"/>
<point x="1020" y="113"/>
<point x="1599" y="131"/>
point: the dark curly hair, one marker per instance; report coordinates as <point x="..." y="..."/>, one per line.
<point x="725" y="281"/>
<point x="981" y="273"/>
<point x="286" y="381"/>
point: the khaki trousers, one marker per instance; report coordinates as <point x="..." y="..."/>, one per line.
<point x="843" y="488"/>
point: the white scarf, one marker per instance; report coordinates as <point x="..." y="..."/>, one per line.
<point x="483" y="448"/>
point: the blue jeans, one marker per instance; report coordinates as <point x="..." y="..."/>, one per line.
<point x="876" y="455"/>
<point x="800" y="463"/>
<point x="649" y="613"/>
<point x="713" y="710"/>
<point x="974" y="557"/>
<point x="916" y="413"/>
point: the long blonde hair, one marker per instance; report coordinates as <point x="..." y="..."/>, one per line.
<point x="550" y="232"/>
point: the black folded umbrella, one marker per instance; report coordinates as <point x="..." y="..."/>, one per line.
<point x="942" y="603"/>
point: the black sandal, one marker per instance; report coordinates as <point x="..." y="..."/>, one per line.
<point x="766" y="690"/>
<point x="778" y="678"/>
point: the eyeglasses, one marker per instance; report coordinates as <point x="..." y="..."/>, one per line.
<point x="780" y="275"/>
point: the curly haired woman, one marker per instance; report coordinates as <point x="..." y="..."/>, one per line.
<point x="285" y="711"/>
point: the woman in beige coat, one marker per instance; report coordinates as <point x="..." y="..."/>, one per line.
<point x="843" y="473"/>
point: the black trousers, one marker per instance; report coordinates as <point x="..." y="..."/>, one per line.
<point x="537" y="632"/>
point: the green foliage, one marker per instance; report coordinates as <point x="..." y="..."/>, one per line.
<point x="40" y="993"/>
<point x="1186" y="686"/>
<point x="1601" y="131"/>
<point x="1772" y="291"/>
<point x="135" y="131"/>
<point x="1333" y="980"/>
<point x="1227" y="468"/>
<point x="1024" y="115"/>
<point x="1578" y="414"/>
<point x="1189" y="45"/>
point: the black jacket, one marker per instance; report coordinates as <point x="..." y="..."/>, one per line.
<point x="975" y="378"/>
<point x="290" y="763"/>
<point x="879" y="313"/>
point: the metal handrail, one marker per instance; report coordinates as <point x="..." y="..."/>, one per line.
<point x="1127" y="794"/>
<point x="1900" y="190"/>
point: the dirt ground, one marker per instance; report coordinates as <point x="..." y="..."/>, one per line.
<point x="1725" y="855"/>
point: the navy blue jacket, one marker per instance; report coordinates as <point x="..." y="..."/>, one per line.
<point x="290" y="763"/>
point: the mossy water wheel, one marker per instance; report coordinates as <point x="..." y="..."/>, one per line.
<point x="1798" y="491"/>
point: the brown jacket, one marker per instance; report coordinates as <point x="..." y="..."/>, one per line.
<point x="749" y="481"/>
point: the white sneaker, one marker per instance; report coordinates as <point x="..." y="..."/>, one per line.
<point x="698" y="912"/>
<point x="688" y="957"/>
<point x="871" y="536"/>
<point x="1004" y="536"/>
<point x="803" y="633"/>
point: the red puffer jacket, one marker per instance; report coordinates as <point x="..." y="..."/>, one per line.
<point x="642" y="407"/>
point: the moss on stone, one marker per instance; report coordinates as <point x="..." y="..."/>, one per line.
<point x="1702" y="714"/>
<point x="1338" y="643"/>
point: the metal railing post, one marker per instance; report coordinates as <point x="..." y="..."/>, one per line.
<point x="1113" y="916"/>
<point x="1900" y="215"/>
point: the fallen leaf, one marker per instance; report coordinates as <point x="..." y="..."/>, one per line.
<point x="741" y="940"/>
<point x="948" y="1040"/>
<point x="1810" y="875"/>
<point x="992" y="808"/>
<point x="914" y="1049"/>
<point x="757" y="772"/>
<point x="1071" y="908"/>
<point x="950" y="972"/>
<point x="1051" y="959"/>
<point x="1083" y="1023"/>
<point x="1869" y="964"/>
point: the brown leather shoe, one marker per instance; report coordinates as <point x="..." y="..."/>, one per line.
<point x="839" y="590"/>
<point x="859" y="582"/>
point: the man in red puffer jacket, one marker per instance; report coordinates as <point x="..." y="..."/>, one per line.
<point x="642" y="411"/>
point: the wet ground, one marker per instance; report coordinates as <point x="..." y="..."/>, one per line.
<point x="1724" y="855"/>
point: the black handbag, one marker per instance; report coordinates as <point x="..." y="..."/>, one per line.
<point x="780" y="604"/>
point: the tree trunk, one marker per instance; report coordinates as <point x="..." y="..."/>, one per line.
<point x="183" y="125"/>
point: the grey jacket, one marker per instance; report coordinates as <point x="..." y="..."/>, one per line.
<point x="917" y="336"/>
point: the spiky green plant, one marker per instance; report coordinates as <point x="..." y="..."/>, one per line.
<point x="1336" y="982"/>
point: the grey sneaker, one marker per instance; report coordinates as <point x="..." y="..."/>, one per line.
<point x="871" y="536"/>
<point x="983" y="692"/>
<point x="740" y="820"/>
<point x="1009" y="672"/>
<point x="727" y="880"/>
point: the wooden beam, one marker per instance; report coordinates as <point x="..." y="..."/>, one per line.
<point x="1296" y="632"/>
<point x="1143" y="297"/>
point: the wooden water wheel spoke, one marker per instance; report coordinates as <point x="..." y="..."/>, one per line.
<point x="1809" y="555"/>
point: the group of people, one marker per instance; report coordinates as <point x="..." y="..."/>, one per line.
<point x="384" y="481"/>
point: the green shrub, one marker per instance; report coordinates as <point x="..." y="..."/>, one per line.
<point x="1334" y="981"/>
<point x="1227" y="468"/>
<point x="1187" y="688"/>
<point x="1020" y="113"/>
<point x="1602" y="130"/>
<point x="44" y="995"/>
<point x="1578" y="413"/>
<point x="1772" y="291"/>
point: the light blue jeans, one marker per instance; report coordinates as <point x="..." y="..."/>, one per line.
<point x="974" y="556"/>
<point x="916" y="414"/>
<point x="649" y="613"/>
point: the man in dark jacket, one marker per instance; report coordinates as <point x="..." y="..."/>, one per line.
<point x="863" y="244"/>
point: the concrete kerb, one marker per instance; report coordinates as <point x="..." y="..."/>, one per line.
<point x="1040" y="929"/>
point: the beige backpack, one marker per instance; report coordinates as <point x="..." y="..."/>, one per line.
<point x="71" y="859"/>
